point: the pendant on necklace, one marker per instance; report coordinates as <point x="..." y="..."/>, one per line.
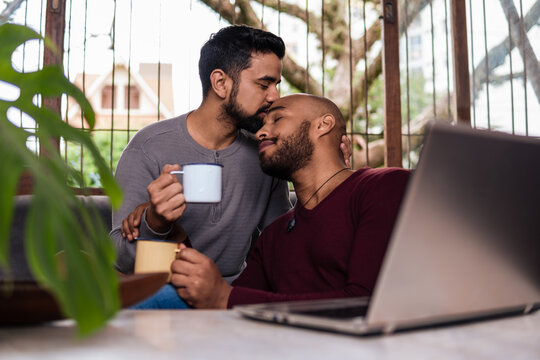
<point x="291" y="224"/>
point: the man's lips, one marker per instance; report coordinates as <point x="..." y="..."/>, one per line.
<point x="264" y="144"/>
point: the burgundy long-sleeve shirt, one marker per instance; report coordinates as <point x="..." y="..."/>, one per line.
<point x="334" y="250"/>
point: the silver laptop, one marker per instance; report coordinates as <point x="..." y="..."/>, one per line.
<point x="466" y="244"/>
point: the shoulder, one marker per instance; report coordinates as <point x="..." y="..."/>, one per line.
<point x="380" y="183"/>
<point x="380" y="177"/>
<point x="155" y="132"/>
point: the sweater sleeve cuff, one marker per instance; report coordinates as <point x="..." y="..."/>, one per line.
<point x="145" y="231"/>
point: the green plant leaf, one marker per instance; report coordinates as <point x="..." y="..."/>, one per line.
<point x="8" y="184"/>
<point x="68" y="252"/>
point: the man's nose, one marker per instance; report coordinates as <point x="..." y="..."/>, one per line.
<point x="262" y="133"/>
<point x="273" y="94"/>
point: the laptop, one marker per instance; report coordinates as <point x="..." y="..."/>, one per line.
<point x="466" y="244"/>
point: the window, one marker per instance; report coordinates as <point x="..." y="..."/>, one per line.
<point x="107" y="97"/>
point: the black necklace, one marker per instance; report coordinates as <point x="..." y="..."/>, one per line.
<point x="292" y="222"/>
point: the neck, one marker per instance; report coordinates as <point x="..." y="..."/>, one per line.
<point x="313" y="183"/>
<point x="206" y="128"/>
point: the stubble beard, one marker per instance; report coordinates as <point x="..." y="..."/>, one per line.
<point x="233" y="111"/>
<point x="294" y="153"/>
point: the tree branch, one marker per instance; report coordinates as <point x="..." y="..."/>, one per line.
<point x="222" y="7"/>
<point x="524" y="45"/>
<point x="294" y="73"/>
<point x="415" y="128"/>
<point x="498" y="53"/>
<point x="296" y="76"/>
<point x="360" y="86"/>
<point x="297" y="12"/>
<point x="9" y="10"/>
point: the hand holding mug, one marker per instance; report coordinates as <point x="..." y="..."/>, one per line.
<point x="201" y="181"/>
<point x="167" y="201"/>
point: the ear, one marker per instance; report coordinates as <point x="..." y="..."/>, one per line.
<point x="220" y="83"/>
<point x="325" y="124"/>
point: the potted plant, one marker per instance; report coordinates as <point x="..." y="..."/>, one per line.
<point x="87" y="287"/>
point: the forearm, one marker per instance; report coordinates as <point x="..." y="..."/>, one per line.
<point x="133" y="174"/>
<point x="125" y="252"/>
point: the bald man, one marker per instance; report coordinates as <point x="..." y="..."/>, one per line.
<point x="331" y="244"/>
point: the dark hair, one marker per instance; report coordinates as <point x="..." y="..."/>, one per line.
<point x="230" y="50"/>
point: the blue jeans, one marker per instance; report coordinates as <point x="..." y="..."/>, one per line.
<point x="165" y="298"/>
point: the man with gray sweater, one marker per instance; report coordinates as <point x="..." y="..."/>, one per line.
<point x="239" y="68"/>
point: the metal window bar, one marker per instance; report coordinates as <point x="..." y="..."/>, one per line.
<point x="68" y="65"/>
<point x="24" y="49"/>
<point x="189" y="55"/>
<point x="279" y="34"/>
<point x="84" y="79"/>
<point x="234" y="12"/>
<point x="41" y="52"/>
<point x="307" y="46"/>
<point x="219" y="11"/>
<point x="366" y="112"/>
<point x="473" y="87"/>
<point x="487" y="64"/>
<point x="159" y="61"/>
<point x="323" y="49"/>
<point x="129" y="72"/>
<point x="351" y="100"/>
<point x="407" y="84"/>
<point x="448" y="97"/>
<point x="113" y="30"/>
<point x="433" y="82"/>
<point x="262" y="14"/>
<point x="522" y="40"/>
<point x="510" y="47"/>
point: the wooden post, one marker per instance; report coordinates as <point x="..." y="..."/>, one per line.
<point x="54" y="30"/>
<point x="462" y="99"/>
<point x="392" y="88"/>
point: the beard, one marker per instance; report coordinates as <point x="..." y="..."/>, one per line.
<point x="240" y="118"/>
<point x="294" y="153"/>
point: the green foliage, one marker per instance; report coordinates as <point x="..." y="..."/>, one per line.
<point x="87" y="287"/>
<point x="89" y="168"/>
<point x="375" y="114"/>
<point x="418" y="98"/>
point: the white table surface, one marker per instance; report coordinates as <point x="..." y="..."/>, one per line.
<point x="196" y="334"/>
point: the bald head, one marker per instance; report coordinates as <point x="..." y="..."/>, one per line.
<point x="311" y="107"/>
<point x="300" y="131"/>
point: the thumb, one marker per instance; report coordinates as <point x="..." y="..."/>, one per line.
<point x="167" y="168"/>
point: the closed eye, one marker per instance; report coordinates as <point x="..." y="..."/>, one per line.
<point x="263" y="86"/>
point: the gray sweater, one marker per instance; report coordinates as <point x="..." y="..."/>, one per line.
<point x="251" y="200"/>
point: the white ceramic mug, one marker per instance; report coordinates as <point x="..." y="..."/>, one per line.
<point x="201" y="182"/>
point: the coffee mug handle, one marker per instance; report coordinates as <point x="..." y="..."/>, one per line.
<point x="177" y="172"/>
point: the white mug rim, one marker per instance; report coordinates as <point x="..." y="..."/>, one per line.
<point x="201" y="163"/>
